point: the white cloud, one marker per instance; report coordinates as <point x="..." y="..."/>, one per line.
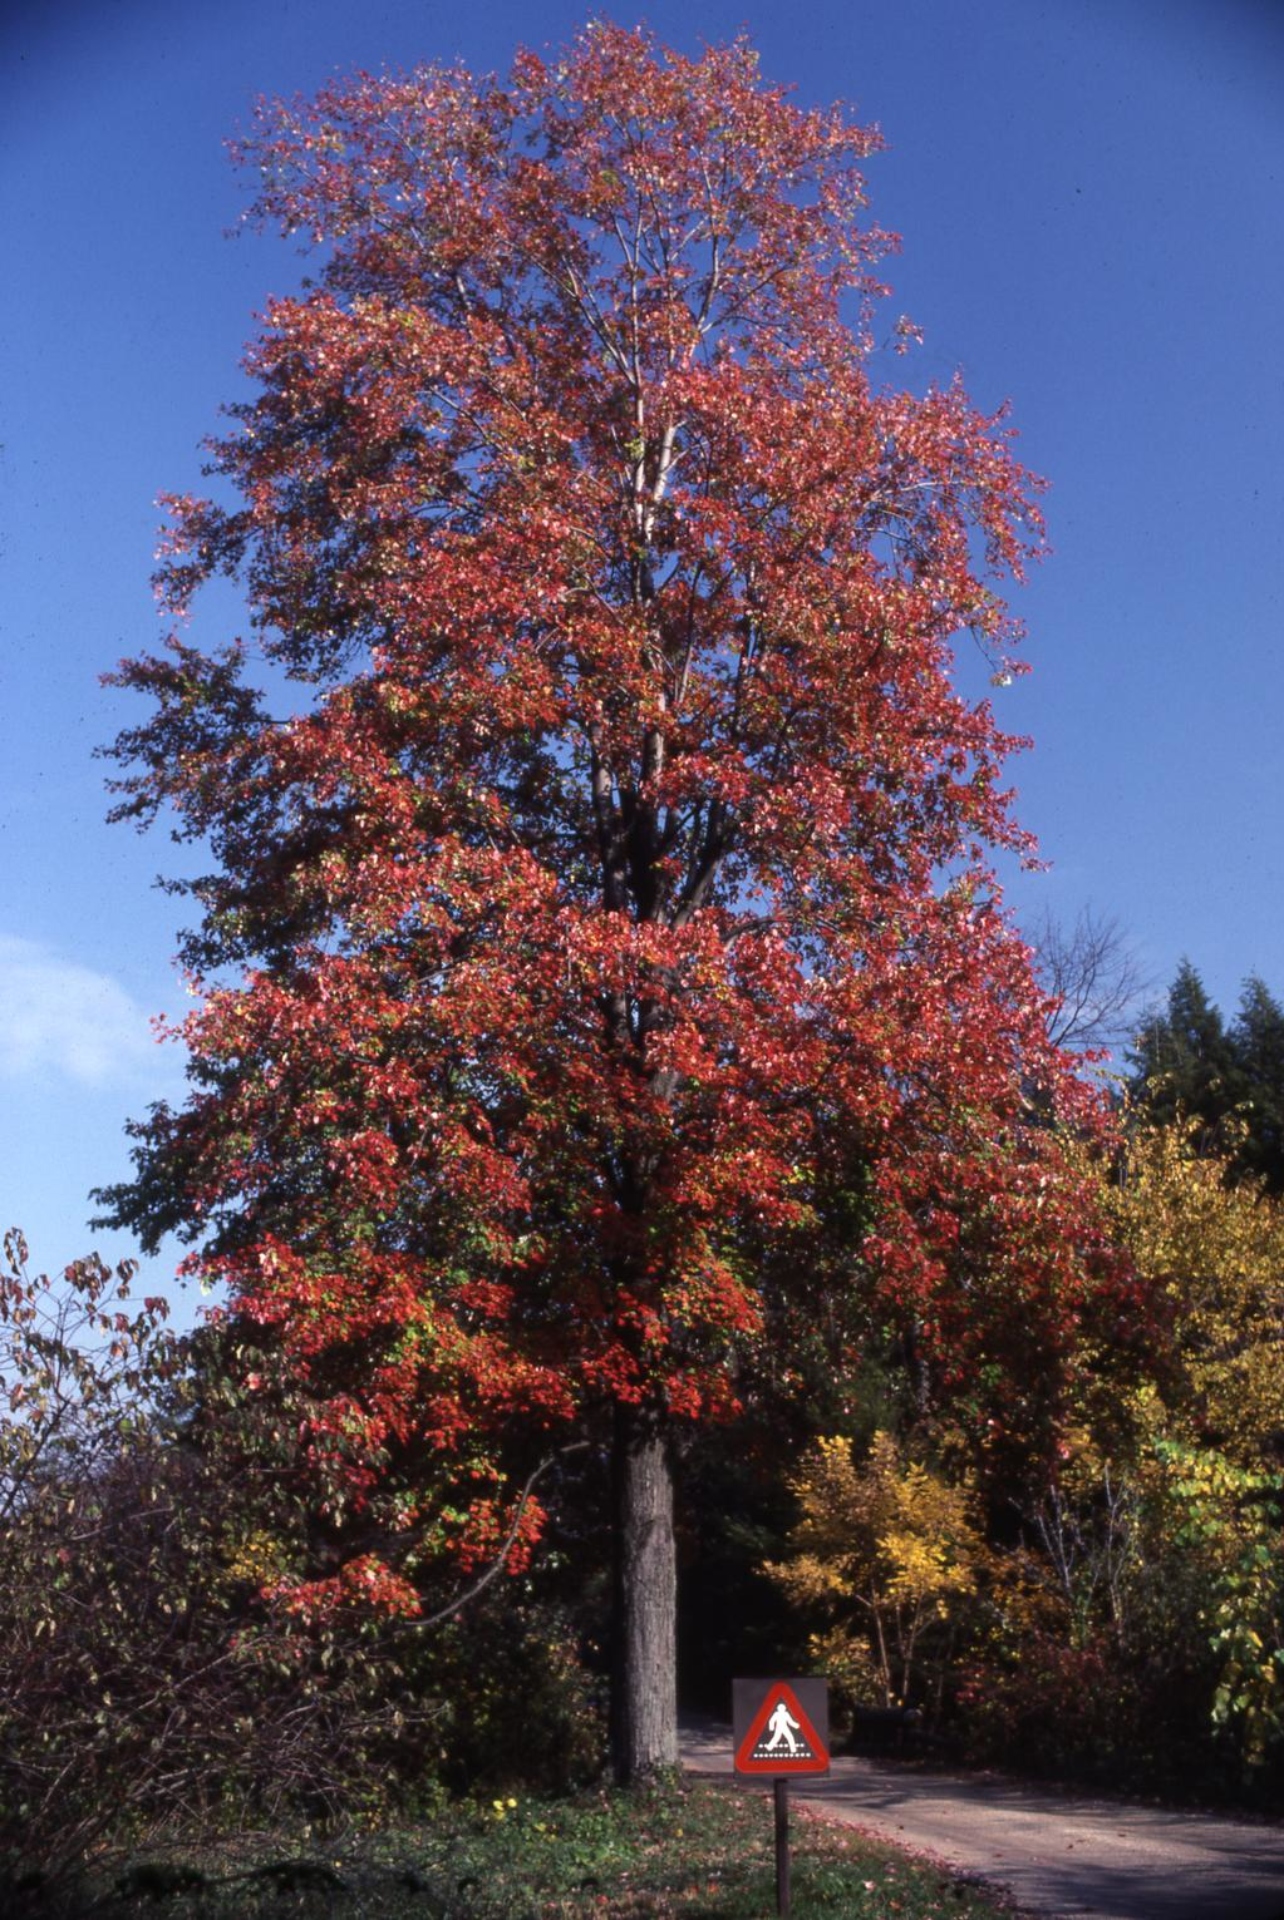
<point x="59" y="1017"/>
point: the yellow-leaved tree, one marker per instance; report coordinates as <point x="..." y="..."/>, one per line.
<point x="1211" y="1481"/>
<point x="1216" y="1251"/>
<point x="1150" y="1571"/>
<point x="885" y="1557"/>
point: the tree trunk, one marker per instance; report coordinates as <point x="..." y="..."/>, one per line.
<point x="644" y="1688"/>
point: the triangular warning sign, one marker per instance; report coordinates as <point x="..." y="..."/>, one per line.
<point x="781" y="1737"/>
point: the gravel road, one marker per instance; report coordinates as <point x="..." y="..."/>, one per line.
<point x="1063" y="1856"/>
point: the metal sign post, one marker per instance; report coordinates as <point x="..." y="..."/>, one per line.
<point x="780" y="1789"/>
<point x="781" y="1727"/>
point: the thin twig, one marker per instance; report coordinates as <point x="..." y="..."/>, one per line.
<point x="496" y="1566"/>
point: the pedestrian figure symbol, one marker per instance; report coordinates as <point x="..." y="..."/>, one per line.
<point x="782" y="1726"/>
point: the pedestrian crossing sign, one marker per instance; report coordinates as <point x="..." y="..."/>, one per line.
<point x="781" y="1727"/>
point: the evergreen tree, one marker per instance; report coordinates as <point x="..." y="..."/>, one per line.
<point x="1189" y="1062"/>
<point x="1184" y="1062"/>
<point x="1257" y="1045"/>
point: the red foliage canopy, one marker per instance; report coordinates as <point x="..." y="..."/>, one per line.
<point x="619" y="885"/>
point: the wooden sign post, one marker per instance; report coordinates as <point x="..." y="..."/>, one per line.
<point x="780" y="1728"/>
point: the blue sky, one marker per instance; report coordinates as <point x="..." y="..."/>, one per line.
<point x="1089" y="197"/>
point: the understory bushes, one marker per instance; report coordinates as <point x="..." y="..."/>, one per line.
<point x="151" y="1676"/>
<point x="519" y="1706"/>
<point x="142" y="1676"/>
<point x="1088" y="1713"/>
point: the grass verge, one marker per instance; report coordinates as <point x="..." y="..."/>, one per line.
<point x="686" y="1849"/>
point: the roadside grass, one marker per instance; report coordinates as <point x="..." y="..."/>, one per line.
<point x="688" y="1850"/>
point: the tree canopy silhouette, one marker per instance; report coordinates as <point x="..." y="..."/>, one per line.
<point x="613" y="895"/>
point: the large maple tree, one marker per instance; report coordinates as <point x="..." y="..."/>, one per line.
<point x="600" y="883"/>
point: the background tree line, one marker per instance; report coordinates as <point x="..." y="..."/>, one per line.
<point x="1118" y="1613"/>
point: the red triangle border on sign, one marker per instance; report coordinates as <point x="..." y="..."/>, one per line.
<point x="815" y="1761"/>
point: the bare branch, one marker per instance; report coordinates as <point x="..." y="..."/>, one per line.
<point x="1093" y="974"/>
<point x="500" y="1561"/>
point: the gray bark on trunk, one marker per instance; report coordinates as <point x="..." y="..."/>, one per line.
<point x="644" y="1703"/>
